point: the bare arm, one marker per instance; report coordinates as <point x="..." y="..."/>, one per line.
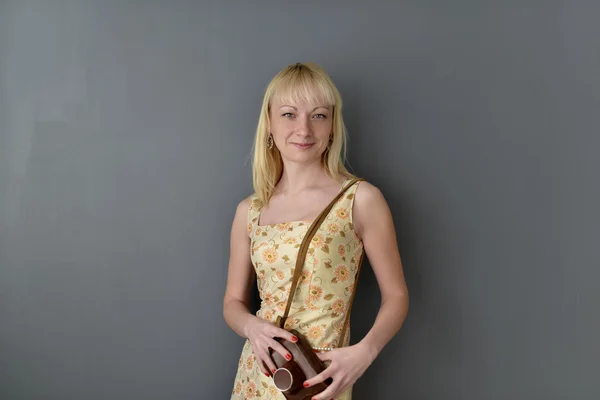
<point x="374" y="225"/>
<point x="240" y="275"/>
<point x="236" y="308"/>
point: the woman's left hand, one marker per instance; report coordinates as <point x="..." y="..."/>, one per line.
<point x="347" y="365"/>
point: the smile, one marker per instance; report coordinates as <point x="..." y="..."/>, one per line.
<point x="303" y="146"/>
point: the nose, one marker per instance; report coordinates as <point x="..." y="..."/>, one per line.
<point x="303" y="128"/>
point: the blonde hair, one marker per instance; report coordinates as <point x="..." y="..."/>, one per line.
<point x="300" y="82"/>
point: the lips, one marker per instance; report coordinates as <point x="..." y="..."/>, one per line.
<point x="303" y="145"/>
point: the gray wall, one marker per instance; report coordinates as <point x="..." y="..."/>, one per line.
<point x="125" y="134"/>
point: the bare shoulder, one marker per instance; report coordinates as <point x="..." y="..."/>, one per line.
<point x="240" y="271"/>
<point x="244" y="205"/>
<point x="370" y="207"/>
<point x="368" y="197"/>
<point x="367" y="191"/>
<point x="240" y="220"/>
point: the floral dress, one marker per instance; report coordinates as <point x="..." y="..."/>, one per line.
<point x="324" y="289"/>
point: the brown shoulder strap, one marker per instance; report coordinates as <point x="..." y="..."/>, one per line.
<point x="304" y="248"/>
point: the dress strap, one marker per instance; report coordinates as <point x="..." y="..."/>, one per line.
<point x="347" y="200"/>
<point x="253" y="212"/>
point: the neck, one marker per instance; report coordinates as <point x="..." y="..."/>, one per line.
<point x="297" y="177"/>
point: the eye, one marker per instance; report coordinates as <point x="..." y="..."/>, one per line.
<point x="287" y="115"/>
<point x="320" y="116"/>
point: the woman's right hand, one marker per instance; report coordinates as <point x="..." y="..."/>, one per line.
<point x="261" y="335"/>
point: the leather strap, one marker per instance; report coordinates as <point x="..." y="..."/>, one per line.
<point x="312" y="230"/>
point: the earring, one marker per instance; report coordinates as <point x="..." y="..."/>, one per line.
<point x="270" y="142"/>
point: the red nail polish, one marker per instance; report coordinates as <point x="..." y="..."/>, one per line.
<point x="273" y="371"/>
<point x="305" y="384"/>
<point x="266" y="373"/>
<point x="294" y="339"/>
<point x="288" y="357"/>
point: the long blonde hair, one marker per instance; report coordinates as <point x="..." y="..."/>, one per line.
<point x="300" y="82"/>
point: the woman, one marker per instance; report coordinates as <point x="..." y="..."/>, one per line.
<point x="297" y="171"/>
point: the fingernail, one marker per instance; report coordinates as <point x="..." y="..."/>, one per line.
<point x="288" y="357"/>
<point x="305" y="384"/>
<point x="294" y="339"/>
<point x="273" y="371"/>
<point x="266" y="373"/>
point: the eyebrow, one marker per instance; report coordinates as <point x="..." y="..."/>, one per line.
<point x="285" y="105"/>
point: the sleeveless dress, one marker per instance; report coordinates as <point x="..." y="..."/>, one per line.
<point x="322" y="296"/>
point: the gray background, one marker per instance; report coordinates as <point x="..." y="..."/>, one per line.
<point x="125" y="134"/>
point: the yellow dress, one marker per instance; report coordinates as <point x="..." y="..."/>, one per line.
<point x="323" y="292"/>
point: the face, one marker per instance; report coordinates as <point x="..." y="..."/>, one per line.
<point x="301" y="131"/>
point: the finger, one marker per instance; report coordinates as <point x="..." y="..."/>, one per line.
<point x="261" y="365"/>
<point x="263" y="359"/>
<point x="282" y="333"/>
<point x="326" y="373"/>
<point x="329" y="393"/>
<point x="326" y="356"/>
<point x="278" y="347"/>
<point x="270" y="365"/>
<point x="256" y="350"/>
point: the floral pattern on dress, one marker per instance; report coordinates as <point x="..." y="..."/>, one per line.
<point x="323" y="292"/>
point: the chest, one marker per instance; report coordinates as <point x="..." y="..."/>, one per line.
<point x="276" y="245"/>
<point x="302" y="207"/>
<point x="330" y="266"/>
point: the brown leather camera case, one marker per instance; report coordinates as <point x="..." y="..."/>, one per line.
<point x="290" y="375"/>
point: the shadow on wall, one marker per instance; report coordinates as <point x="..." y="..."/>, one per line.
<point x="430" y="342"/>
